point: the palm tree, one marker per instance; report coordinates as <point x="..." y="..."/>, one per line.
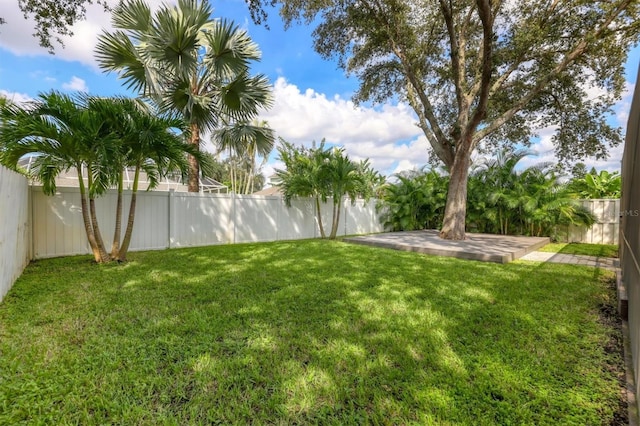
<point x="187" y="63"/>
<point x="149" y="143"/>
<point x="304" y="175"/>
<point x="65" y="134"/>
<point x="322" y="173"/>
<point x="245" y="142"/>
<point x="498" y="180"/>
<point x="344" y="179"/>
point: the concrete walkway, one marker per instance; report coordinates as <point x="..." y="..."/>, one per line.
<point x="575" y="259"/>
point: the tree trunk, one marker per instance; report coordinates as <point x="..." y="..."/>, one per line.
<point x="336" y="218"/>
<point x="104" y="256"/>
<point x="194" y="166"/>
<point x="115" y="245"/>
<point x="453" y="226"/>
<point x="85" y="218"/>
<point x="122" y="254"/>
<point x="319" y="215"/>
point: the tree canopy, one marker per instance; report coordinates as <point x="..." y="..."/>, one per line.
<point x="488" y="72"/>
<point x="188" y="63"/>
<point x="54" y="18"/>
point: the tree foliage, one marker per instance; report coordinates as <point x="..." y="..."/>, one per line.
<point x="415" y="201"/>
<point x="322" y="173"/>
<point x="483" y="72"/>
<point x="597" y="185"/>
<point x="502" y="199"/>
<point x="245" y="143"/>
<point x="96" y="137"/>
<point x="188" y="63"/>
<point x="54" y="18"/>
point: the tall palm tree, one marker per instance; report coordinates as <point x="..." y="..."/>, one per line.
<point x="186" y="62"/>
<point x="65" y="134"/>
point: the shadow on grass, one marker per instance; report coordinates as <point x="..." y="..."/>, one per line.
<point x="303" y="332"/>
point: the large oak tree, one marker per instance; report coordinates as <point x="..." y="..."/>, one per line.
<point x="482" y="72"/>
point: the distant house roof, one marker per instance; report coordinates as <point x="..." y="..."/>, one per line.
<point x="173" y="181"/>
<point x="272" y="190"/>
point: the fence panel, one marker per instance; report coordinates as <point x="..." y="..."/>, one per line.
<point x="58" y="229"/>
<point x="15" y="242"/>
<point x="201" y="219"/>
<point x="362" y="218"/>
<point x="170" y="219"/>
<point x="606" y="228"/>
<point x="256" y="218"/>
<point x="298" y="221"/>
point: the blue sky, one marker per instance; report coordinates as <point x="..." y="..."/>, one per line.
<point x="312" y="96"/>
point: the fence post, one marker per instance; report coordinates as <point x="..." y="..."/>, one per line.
<point x="170" y="217"/>
<point x="234" y="215"/>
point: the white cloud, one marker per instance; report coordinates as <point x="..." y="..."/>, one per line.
<point x="385" y="135"/>
<point x="16" y="35"/>
<point x="18" y="98"/>
<point x="76" y="84"/>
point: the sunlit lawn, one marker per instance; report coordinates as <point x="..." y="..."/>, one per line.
<point x="599" y="250"/>
<point x="310" y="332"/>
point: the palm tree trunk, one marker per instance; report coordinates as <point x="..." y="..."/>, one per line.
<point x="232" y="168"/>
<point x="85" y="217"/>
<point x="319" y="216"/>
<point x="104" y="257"/>
<point x="122" y="255"/>
<point x="336" y="218"/>
<point x="194" y="166"/>
<point x="115" y="246"/>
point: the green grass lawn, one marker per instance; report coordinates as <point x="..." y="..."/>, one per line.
<point x="599" y="250"/>
<point x="311" y="332"/>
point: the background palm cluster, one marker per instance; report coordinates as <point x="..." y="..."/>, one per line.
<point x="534" y="201"/>
<point x="322" y="173"/>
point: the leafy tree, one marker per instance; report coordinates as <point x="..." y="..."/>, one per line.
<point x="54" y="18"/>
<point x="482" y="71"/>
<point x="533" y="201"/>
<point x="497" y="189"/>
<point x="188" y="63"/>
<point x="322" y="173"/>
<point x="578" y="171"/>
<point x="597" y="185"/>
<point x="303" y="175"/>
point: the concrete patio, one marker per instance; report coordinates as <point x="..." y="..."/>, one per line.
<point x="484" y="247"/>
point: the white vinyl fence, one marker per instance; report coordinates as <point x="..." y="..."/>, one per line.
<point x="14" y="228"/>
<point x="606" y="228"/>
<point x="170" y="219"/>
